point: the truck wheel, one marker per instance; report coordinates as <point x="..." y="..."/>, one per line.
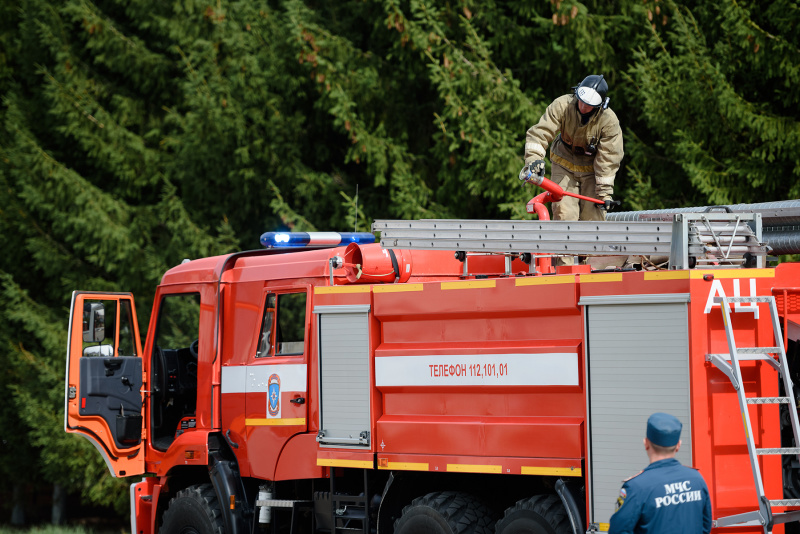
<point x="543" y="514"/>
<point x="446" y="512"/>
<point x="194" y="510"/>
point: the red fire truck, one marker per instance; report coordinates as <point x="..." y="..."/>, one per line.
<point x="448" y="379"/>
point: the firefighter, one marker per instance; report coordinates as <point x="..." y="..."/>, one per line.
<point x="666" y="496"/>
<point x="585" y="155"/>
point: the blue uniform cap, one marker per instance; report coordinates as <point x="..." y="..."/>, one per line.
<point x="664" y="429"/>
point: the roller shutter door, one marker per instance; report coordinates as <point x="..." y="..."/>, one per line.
<point x="344" y="375"/>
<point x="638" y="364"/>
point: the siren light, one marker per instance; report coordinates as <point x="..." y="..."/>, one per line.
<point x="314" y="239"/>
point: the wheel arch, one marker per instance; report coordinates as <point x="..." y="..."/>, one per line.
<point x="222" y="472"/>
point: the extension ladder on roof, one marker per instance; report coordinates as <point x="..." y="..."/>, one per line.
<point x="690" y="240"/>
<point x="729" y="364"/>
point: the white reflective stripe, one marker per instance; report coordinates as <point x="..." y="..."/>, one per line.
<point x="324" y="238"/>
<point x="234" y="379"/>
<point x="536" y="148"/>
<point x="292" y="377"/>
<point x="547" y="369"/>
<point x="255" y="378"/>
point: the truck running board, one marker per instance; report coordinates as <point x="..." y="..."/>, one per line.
<point x="729" y="364"/>
<point x="688" y="239"/>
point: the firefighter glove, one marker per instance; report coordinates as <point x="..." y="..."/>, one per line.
<point x="537" y="167"/>
<point x="609" y="204"/>
<point x="534" y="167"/>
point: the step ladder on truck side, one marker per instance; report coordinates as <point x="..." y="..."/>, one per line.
<point x="729" y="364"/>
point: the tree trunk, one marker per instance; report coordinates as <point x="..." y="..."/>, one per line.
<point x="59" y="505"/>
<point x="18" y="508"/>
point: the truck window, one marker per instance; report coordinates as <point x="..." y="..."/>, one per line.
<point x="283" y="325"/>
<point x="174" y="365"/>
<point x="127" y="347"/>
<point x="265" y="338"/>
<point x="99" y="328"/>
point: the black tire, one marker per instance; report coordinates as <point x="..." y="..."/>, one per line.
<point x="445" y="512"/>
<point x="194" y="510"/>
<point x="543" y="514"/>
<point x="193" y="348"/>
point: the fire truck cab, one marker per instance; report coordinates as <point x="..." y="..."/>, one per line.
<point x="376" y="388"/>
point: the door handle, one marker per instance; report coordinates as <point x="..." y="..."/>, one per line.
<point x="298" y="401"/>
<point x="111" y="365"/>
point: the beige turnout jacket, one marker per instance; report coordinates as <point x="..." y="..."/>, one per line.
<point x="602" y="130"/>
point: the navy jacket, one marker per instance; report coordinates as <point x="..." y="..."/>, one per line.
<point x="666" y="497"/>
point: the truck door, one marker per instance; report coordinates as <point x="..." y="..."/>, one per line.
<point x="276" y="382"/>
<point x="104" y="382"/>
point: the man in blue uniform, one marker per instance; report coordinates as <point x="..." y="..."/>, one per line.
<point x="666" y="496"/>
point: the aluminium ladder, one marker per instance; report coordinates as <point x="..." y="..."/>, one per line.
<point x="689" y="239"/>
<point x="729" y="364"/>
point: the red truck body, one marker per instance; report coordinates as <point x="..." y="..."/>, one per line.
<point x="342" y="401"/>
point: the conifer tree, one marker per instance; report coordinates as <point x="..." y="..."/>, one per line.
<point x="134" y="134"/>
<point x="716" y="85"/>
<point x="87" y="204"/>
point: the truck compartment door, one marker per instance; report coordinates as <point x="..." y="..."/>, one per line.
<point x="638" y="364"/>
<point x="105" y="381"/>
<point x="344" y="379"/>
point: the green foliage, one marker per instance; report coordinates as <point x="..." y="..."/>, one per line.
<point x="134" y="134"/>
<point x="716" y="88"/>
<point x="482" y="112"/>
<point x="32" y="378"/>
<point x="88" y="202"/>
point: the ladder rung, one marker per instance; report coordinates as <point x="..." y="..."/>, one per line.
<point x="768" y="400"/>
<point x="786" y="450"/>
<point x="785" y="502"/>
<point x="739" y="520"/>
<point x="743" y="299"/>
<point x="758" y="350"/>
<point x="741" y="357"/>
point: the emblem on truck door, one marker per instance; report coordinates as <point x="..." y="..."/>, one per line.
<point x="274" y="395"/>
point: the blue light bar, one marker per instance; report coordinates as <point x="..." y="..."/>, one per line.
<point x="314" y="239"/>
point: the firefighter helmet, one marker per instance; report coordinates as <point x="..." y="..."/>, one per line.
<point x="592" y="90"/>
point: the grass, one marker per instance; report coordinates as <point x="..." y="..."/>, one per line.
<point x="50" y="529"/>
<point x="46" y="529"/>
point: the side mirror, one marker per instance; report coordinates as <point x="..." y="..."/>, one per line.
<point x="94" y="322"/>
<point x="105" y="351"/>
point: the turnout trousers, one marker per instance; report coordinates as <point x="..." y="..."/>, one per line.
<point x="573" y="209"/>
